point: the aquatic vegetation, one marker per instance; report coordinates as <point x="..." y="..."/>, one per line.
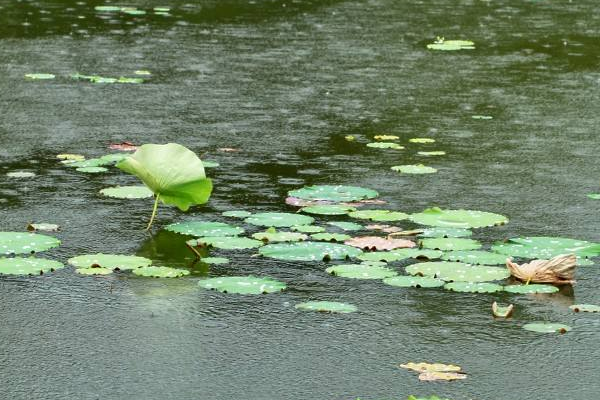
<point x="236" y="214"/>
<point x="307" y="228"/>
<point x="160" y="272"/>
<point x="501" y="311"/>
<point x="25" y="243"/>
<point x="123" y="146"/>
<point x="309" y="251"/>
<point x="346" y="226"/>
<point x="446" y="244"/>
<point x="421" y="140"/>
<point x="43" y="227"/>
<point x="243" y="285"/>
<point x="379" y="215"/>
<point x="225" y="242"/>
<point x="475" y="257"/>
<point x="547" y="327"/>
<point x="127" y="192"/>
<point x="594" y="196"/>
<point x="427" y="254"/>
<point x="451" y="45"/>
<point x="327" y="307"/>
<point x="431" y="153"/>
<point x="379" y="243"/>
<point x="445" y="232"/>
<point x="460" y="272"/>
<point x="330" y="237"/>
<point x="473" y="287"/>
<point x="70" y="157"/>
<point x="271" y="235"/>
<point x="328" y="209"/>
<point x="94" y="271"/>
<point x="384" y="256"/>
<point x="546" y="247"/>
<point x="386" y="137"/>
<point x="92" y="170"/>
<point x="20" y="174"/>
<point x="435" y="372"/>
<point x="28" y="266"/>
<point x="337" y="193"/>
<point x="361" y="271"/>
<point x="558" y="270"/>
<point x="210" y="164"/>
<point x="385" y="145"/>
<point x="425" y="398"/>
<point x="458" y="218"/>
<point x="414" y="281"/>
<point x="40" y="76"/>
<point x="112" y="261"/>
<point x="484" y="117"/>
<point x="92" y="162"/>
<point x="414" y="169"/>
<point x="529" y="289"/>
<point x="278" y="220"/>
<point x="174" y="174"/>
<point x="215" y="260"/>
<point x="204" y="228"/>
<point x="383" y="228"/>
<point x="585" y="308"/>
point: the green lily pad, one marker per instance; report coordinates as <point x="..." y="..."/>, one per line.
<point x="204" y="228"/>
<point x="309" y="251"/>
<point x="386" y="137"/>
<point x="422" y="140"/>
<point x="475" y="257"/>
<point x="162" y="9"/>
<point x="28" y="266"/>
<point x="333" y="193"/>
<point x="418" y="253"/>
<point x="279" y="236"/>
<point x="90" y="163"/>
<point x="107" y="8"/>
<point x="215" y="260"/>
<point x="361" y="271"/>
<point x="226" y="242"/>
<point x="483" y="117"/>
<point x="236" y="214"/>
<point x="547" y="327"/>
<point x="279" y="220"/>
<point x="92" y="170"/>
<point x="330" y="237"/>
<point x="160" y="272"/>
<point x="385" y="145"/>
<point x="124" y="79"/>
<point x="112" y="261"/>
<point x="584" y="262"/>
<point x="132" y="12"/>
<point x="532" y="288"/>
<point x="375" y="263"/>
<point x="210" y="164"/>
<point x="379" y="215"/>
<point x="451" y="45"/>
<point x="243" y="285"/>
<point x="114" y="158"/>
<point x="40" y="76"/>
<point x="431" y="153"/>
<point x="308" y="228"/>
<point x="413" y="169"/>
<point x="445" y="232"/>
<point x="594" y="196"/>
<point x="347" y="226"/>
<point x="127" y="192"/>
<point x="414" y="281"/>
<point x="386" y="256"/>
<point x="329" y="209"/>
<point x="20" y="174"/>
<point x="471" y="287"/>
<point x="94" y="271"/>
<point x="450" y="244"/>
<point x="585" y="308"/>
<point x="458" y="218"/>
<point x="546" y="247"/>
<point x="327" y="306"/>
<point x="24" y="242"/>
<point x="459" y="272"/>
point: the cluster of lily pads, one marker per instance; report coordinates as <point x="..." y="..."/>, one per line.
<point x="96" y="78"/>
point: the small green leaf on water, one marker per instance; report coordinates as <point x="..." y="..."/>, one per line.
<point x="25" y="242"/>
<point x="473" y="287"/>
<point x="112" y="261"/>
<point x="451" y="45"/>
<point x="531" y="288"/>
<point x="350" y="138"/>
<point x="446" y="244"/>
<point x="330" y="237"/>
<point x="39" y="76"/>
<point x="594" y="196"/>
<point x="483" y="117"/>
<point x="585" y="308"/>
<point x="107" y="8"/>
<point x="20" y="174"/>
<point x="132" y="11"/>
<point x="346" y="226"/>
<point x="458" y="218"/>
<point x="414" y="281"/>
<point x="215" y="260"/>
<point x="127" y="192"/>
<point x="329" y="209"/>
<point x="278" y="220"/>
<point x="236" y="214"/>
<point x="307" y="228"/>
<point x="425" y="398"/>
<point x="113" y="158"/>
<point x="333" y="193"/>
<point x="162" y="9"/>
<point x="210" y="164"/>
<point x="379" y="215"/>
<point x="547" y="327"/>
<point x="204" y="228"/>
<point x="431" y="153"/>
<point x="226" y="242"/>
<point x="160" y="272"/>
<point x="70" y="157"/>
<point x="94" y="271"/>
<point x="123" y="79"/>
<point x="28" y="266"/>
<point x="361" y="271"/>
<point x="92" y="170"/>
<point x="385" y="145"/>
<point x="327" y="306"/>
<point x="422" y="140"/>
<point x="414" y="169"/>
<point x="386" y="137"/>
<point x="309" y="251"/>
<point x="142" y="72"/>
<point x="92" y="162"/>
<point x="243" y="285"/>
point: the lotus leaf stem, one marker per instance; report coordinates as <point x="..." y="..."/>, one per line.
<point x="153" y="212"/>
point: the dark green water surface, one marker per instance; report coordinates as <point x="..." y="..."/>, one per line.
<point x="284" y="82"/>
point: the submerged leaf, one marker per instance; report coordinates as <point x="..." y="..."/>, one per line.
<point x="215" y="260"/>
<point x="40" y="76"/>
<point x="386" y="137"/>
<point x="533" y="288"/>
<point x="28" y="266"/>
<point x="347" y="226"/>
<point x="20" y="174"/>
<point x="204" y="228"/>
<point x="92" y="170"/>
<point x="421" y="140"/>
<point x="326" y="306"/>
<point x="329" y="209"/>
<point x="242" y="285"/>
<point x="385" y="145"/>
<point x="431" y="153"/>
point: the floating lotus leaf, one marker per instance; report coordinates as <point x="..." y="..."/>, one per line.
<point x="112" y="261"/>
<point x="279" y="236"/>
<point x="460" y="272"/>
<point x="114" y="158"/>
<point x="127" y="192"/>
<point x="386" y="137"/>
<point x="124" y="79"/>
<point x="546" y="247"/>
<point x="40" y="76"/>
<point x="410" y="232"/>
<point x="585" y="308"/>
<point x="422" y="140"/>
<point x="445" y="232"/>
<point x="427" y="367"/>
<point x="484" y="117"/>
<point x="107" y="8"/>
<point x="414" y="281"/>
<point x="475" y="257"/>
<point x="204" y="228"/>
<point x="278" y="220"/>
<point x="309" y="251"/>
<point x="215" y="260"/>
<point x="375" y="263"/>
<point x="329" y="209"/>
<point x="330" y="237"/>
<point x="594" y="196"/>
<point x="584" y="262"/>
<point x="20" y="174"/>
<point x="43" y="227"/>
<point x="473" y="287"/>
<point x="92" y="162"/>
<point x="379" y="243"/>
<point x="458" y="218"/>
<point x="451" y="45"/>
<point x="386" y="256"/>
<point x="379" y="215"/>
<point x="24" y="242"/>
<point x="70" y="157"/>
<point x="28" y="266"/>
<point x="347" y="226"/>
<point x="431" y="153"/>
<point x="350" y="138"/>
<point x="532" y="288"/>
<point x="92" y="170"/>
<point x="132" y="11"/>
<point x="236" y="214"/>
<point x="385" y="145"/>
<point x="210" y="164"/>
<point x="226" y="242"/>
<point x="361" y="271"/>
<point x="243" y="285"/>
<point x="160" y="272"/>
<point x="547" y="327"/>
<point x="450" y="244"/>
<point x="162" y="9"/>
<point x="307" y="228"/>
<point x="418" y="253"/>
<point x="327" y="306"/>
<point x="94" y="271"/>
<point x="414" y="169"/>
<point x="333" y="193"/>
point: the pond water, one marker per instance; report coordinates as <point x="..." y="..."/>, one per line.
<point x="284" y="82"/>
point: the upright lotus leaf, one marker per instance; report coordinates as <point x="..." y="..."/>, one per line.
<point x="330" y="237"/>
<point x="326" y="307"/>
<point x="112" y="261"/>
<point x="160" y="272"/>
<point x="236" y="214"/>
<point x="455" y="271"/>
<point x="28" y="266"/>
<point x="385" y="145"/>
<point x="473" y="287"/>
<point x="379" y="215"/>
<point x="127" y="192"/>
<point x="278" y="236"/>
<point x="226" y="242"/>
<point x="278" y="220"/>
<point x="328" y="209"/>
<point x="546" y="247"/>
<point x="446" y="244"/>
<point x="458" y="218"/>
<point x="174" y="173"/>
<point x="333" y="193"/>
<point x="379" y="243"/>
<point x="475" y="257"/>
<point x="307" y="228"/>
<point x="559" y="270"/>
<point x="346" y="226"/>
<point x="414" y="281"/>
<point x="585" y="308"/>
<point x="414" y="169"/>
<point x="25" y="242"/>
<point x="204" y="228"/>
<point x="547" y="327"/>
<point x="445" y="232"/>
<point x="529" y="289"/>
<point x="361" y="271"/>
<point x="309" y="251"/>
<point x="243" y="285"/>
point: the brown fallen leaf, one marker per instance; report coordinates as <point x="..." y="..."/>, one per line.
<point x="383" y="228"/>
<point x="379" y="243"/>
<point x="441" y="376"/>
<point x="502" y="312"/>
<point x="413" y="232"/>
<point x="558" y="270"/>
<point x="123" y="146"/>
